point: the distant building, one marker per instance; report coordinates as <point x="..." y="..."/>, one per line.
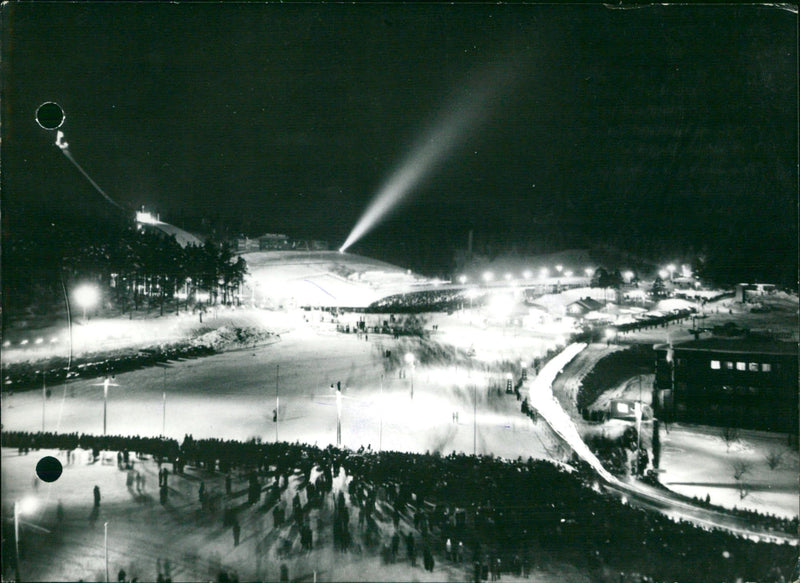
<point x="244" y="244"/>
<point x="748" y="382"/>
<point x="273" y="242"/>
<point x="745" y="290"/>
<point x="583" y="306"/>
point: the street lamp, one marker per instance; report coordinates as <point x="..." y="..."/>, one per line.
<point x="24" y="506"/>
<point x="568" y="273"/>
<point x="526" y="274"/>
<point x="628" y="276"/>
<point x="488" y="276"/>
<point x="589" y="271"/>
<point x="559" y="267"/>
<point x="663" y="273"/>
<point x="671" y="269"/>
<point x="107" y="382"/>
<point x="508" y="276"/>
<point x="86" y="296"/>
<point x="544" y="272"/>
<point x="410" y="361"/>
<point x="462" y="279"/>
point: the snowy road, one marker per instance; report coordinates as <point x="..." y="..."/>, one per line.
<point x="542" y="399"/>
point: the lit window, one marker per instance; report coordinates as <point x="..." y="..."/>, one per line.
<point x="728" y="365"/>
<point x="715" y="364"/>
<point x="753" y="367"/>
<point x="741" y="366"/>
<point x="766" y="367"/>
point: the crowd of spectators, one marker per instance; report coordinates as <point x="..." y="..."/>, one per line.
<point x="442" y="300"/>
<point x="26" y="375"/>
<point x="503" y="514"/>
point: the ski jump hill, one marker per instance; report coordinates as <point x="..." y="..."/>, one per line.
<point x="324" y="279"/>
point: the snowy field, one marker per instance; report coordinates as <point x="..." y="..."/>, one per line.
<point x="146" y="538"/>
<point x="233" y="395"/>
<point x="322" y="278"/>
<point x="697" y="462"/>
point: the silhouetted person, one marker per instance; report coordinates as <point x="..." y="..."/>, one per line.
<point x="97" y="496"/>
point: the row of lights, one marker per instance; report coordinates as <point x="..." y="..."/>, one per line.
<point x="25" y="342"/>
<point x="544" y="272"/>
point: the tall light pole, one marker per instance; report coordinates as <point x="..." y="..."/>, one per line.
<point x="277" y="399"/>
<point x="106" y="383"/>
<point x="164" y="405"/>
<point x="338" y="417"/>
<point x="105" y="547"/>
<point x="380" y="434"/>
<point x="25" y="506"/>
<point x="474" y="419"/>
<point x="410" y="361"/>
<point x="86" y="295"/>
<point x="44" y="395"/>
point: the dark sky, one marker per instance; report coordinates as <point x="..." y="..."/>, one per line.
<point x="653" y="127"/>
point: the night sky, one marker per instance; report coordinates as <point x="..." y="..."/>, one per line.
<point x="662" y="130"/>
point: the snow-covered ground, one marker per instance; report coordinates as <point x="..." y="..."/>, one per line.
<point x="145" y="538"/>
<point x="233" y="395"/>
<point x="322" y="278"/>
<point x="696" y="462"/>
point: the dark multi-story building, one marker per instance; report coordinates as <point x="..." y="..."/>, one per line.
<point x="749" y="382"/>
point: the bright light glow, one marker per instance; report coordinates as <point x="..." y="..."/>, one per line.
<point x="507" y="276"/>
<point x="39" y="340"/>
<point x="27" y="505"/>
<point x="671" y="267"/>
<point x="609" y="333"/>
<point x="24" y="342"/>
<point x="544" y="272"/>
<point x="409" y="358"/>
<point x="146" y="218"/>
<point x="54" y="339"/>
<point x="628" y="276"/>
<point x="501" y="305"/>
<point x="527" y="274"/>
<point x="568" y="273"/>
<point x="462" y="279"/>
<point x="433" y="147"/>
<point x="559" y="267"/>
<point x="202" y="296"/>
<point x="589" y="271"/>
<point x="663" y="274"/>
<point x="488" y="276"/>
<point x="7" y="343"/>
<point x="86" y="295"/>
<point x="686" y="270"/>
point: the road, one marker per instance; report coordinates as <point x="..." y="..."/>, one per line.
<point x="563" y="373"/>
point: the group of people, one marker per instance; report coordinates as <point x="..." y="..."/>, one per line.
<point x="498" y="508"/>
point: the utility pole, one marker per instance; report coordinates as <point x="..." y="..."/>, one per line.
<point x="475" y="419"/>
<point x="164" y="406"/>
<point x="380" y="435"/>
<point x="277" y="399"/>
<point x="44" y="395"/>
<point x="105" y="545"/>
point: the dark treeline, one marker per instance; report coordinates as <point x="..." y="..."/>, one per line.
<point x="135" y="268"/>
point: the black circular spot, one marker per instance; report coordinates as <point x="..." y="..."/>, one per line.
<point x="50" y="115"/>
<point x="49" y="469"/>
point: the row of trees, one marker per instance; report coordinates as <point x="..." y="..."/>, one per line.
<point x="142" y="265"/>
<point x="132" y="267"/>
